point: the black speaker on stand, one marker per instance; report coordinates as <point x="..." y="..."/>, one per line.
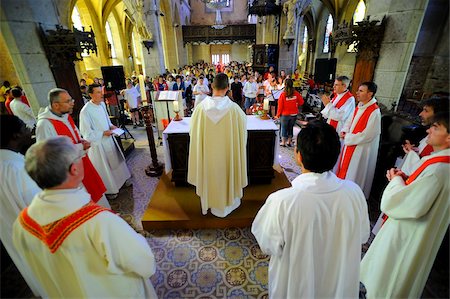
<point x="114" y="78"/>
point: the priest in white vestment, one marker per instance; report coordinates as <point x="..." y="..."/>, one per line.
<point x="313" y="231"/>
<point x="56" y="117"/>
<point x="74" y="247"/>
<point x="413" y="155"/>
<point x="341" y="107"/>
<point x="17" y="190"/>
<point x="217" y="163"/>
<point x="361" y="136"/>
<point x="400" y="257"/>
<point x="104" y="153"/>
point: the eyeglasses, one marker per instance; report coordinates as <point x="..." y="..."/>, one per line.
<point x="69" y="101"/>
<point x="80" y="155"/>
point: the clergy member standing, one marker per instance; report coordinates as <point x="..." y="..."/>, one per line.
<point x="17" y="190"/>
<point x="430" y="107"/>
<point x="400" y="257"/>
<point x="218" y="159"/>
<point x="104" y="153"/>
<point x="313" y="231"/>
<point x="341" y="107"/>
<point x="76" y="248"/>
<point x="361" y="136"/>
<point x="55" y="120"/>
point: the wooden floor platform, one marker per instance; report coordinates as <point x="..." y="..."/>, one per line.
<point x="179" y="207"/>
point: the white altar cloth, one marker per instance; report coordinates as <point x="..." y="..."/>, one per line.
<point x="254" y="123"/>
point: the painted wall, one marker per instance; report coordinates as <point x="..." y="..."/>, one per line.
<point x="239" y="52"/>
<point x="236" y="14"/>
<point x="201" y="52"/>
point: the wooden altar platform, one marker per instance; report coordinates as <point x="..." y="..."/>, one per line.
<point x="179" y="207"/>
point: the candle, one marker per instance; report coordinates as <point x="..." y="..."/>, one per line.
<point x="266" y="104"/>
<point x="142" y="90"/>
<point x="175" y="106"/>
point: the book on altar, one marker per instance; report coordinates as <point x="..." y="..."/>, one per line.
<point x="168" y="95"/>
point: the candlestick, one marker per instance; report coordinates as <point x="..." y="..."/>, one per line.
<point x="175" y="106"/>
<point x="266" y="104"/>
<point x="142" y="90"/>
<point x="156" y="168"/>
<point x="177" y="116"/>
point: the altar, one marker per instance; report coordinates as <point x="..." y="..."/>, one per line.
<point x="262" y="149"/>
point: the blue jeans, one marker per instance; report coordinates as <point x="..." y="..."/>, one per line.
<point x="287" y="125"/>
<point x="249" y="102"/>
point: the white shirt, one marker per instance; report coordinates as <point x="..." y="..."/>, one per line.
<point x="250" y="89"/>
<point x="24" y="112"/>
<point x="313" y="232"/>
<point x="202" y="88"/>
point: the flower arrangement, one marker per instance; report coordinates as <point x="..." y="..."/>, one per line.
<point x="257" y="109"/>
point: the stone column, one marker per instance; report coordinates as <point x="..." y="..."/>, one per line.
<point x="404" y="19"/>
<point x="19" y="20"/>
<point x="153" y="62"/>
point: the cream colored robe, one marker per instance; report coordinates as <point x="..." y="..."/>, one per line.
<point x="102" y="258"/>
<point x="400" y="258"/>
<point x="218" y="154"/>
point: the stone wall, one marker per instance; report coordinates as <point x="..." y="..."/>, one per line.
<point x="429" y="69"/>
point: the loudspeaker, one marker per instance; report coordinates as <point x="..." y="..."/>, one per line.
<point x="114" y="77"/>
<point x="325" y="70"/>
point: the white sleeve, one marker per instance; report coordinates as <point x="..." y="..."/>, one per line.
<point x="45" y="130"/>
<point x="341" y="113"/>
<point x="125" y="250"/>
<point x="401" y="201"/>
<point x="267" y="227"/>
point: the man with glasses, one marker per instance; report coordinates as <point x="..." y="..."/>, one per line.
<point x="55" y="120"/>
<point x="74" y="247"/>
<point x="341" y="106"/>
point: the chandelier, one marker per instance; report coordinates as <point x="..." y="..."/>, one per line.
<point x="218" y="23"/>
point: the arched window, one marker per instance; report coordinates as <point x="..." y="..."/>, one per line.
<point x="328" y="30"/>
<point x="358" y="16"/>
<point x="76" y="20"/>
<point x="305" y="40"/>
<point x="109" y="37"/>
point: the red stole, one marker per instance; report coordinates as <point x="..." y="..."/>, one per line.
<point x="92" y="180"/>
<point x="347" y="151"/>
<point x="54" y="234"/>
<point x="417" y="172"/>
<point x="339" y="104"/>
<point x="427" y="150"/>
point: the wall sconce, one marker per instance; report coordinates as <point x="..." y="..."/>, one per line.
<point x="148" y="44"/>
<point x="288" y="42"/>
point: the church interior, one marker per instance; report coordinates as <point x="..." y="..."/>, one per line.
<point x="401" y="45"/>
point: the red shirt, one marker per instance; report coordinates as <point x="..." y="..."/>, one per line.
<point x="7" y="105"/>
<point x="289" y="106"/>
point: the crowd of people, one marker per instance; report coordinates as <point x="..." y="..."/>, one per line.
<point x="57" y="223"/>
